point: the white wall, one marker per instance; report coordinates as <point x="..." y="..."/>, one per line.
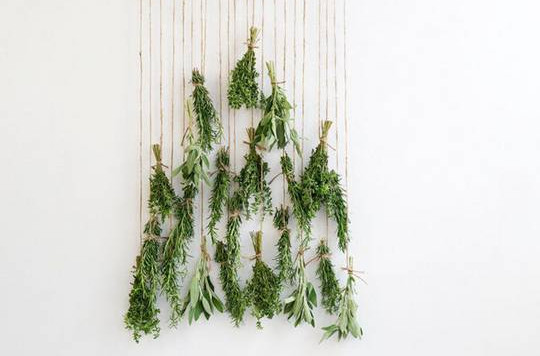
<point x="445" y="192"/>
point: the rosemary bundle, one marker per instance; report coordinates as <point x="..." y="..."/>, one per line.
<point x="243" y="87"/>
<point x="336" y="206"/>
<point x="220" y="189"/>
<point x="228" y="254"/>
<point x="330" y="293"/>
<point x="142" y="315"/>
<point x="252" y="185"/>
<point x="299" y="305"/>
<point x="208" y="123"/>
<point x="161" y="192"/>
<point x="263" y="289"/>
<point x="201" y="298"/>
<point x="346" y="321"/>
<point x="275" y="127"/>
<point x="295" y="193"/>
<point x="284" y="257"/>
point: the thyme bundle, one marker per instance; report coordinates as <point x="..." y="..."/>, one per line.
<point x="201" y="298"/>
<point x="275" y="127"/>
<point x="284" y="257"/>
<point x="142" y="315"/>
<point x="346" y="321"/>
<point x="330" y="292"/>
<point x="208" y="122"/>
<point x="220" y="189"/>
<point x="299" y="305"/>
<point x="161" y="192"/>
<point x="252" y="185"/>
<point x="243" y="87"/>
<point x="263" y="289"/>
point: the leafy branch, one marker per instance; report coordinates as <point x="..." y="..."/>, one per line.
<point x="243" y="87"/>
<point x="220" y="190"/>
<point x="208" y="122"/>
<point x="299" y="305"/>
<point x="330" y="293"/>
<point x="284" y="258"/>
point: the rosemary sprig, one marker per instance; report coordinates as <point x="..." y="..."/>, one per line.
<point x="330" y="293"/>
<point x="346" y="322"/>
<point x="263" y="289"/>
<point x="301" y="214"/>
<point x="220" y="189"/>
<point x="142" y="315"/>
<point x="275" y="127"/>
<point x="299" y="305"/>
<point x="243" y="87"/>
<point x="161" y="192"/>
<point x="284" y="257"/>
<point x="336" y="206"/>
<point x="208" y="122"/>
<point x="201" y="298"/>
<point x="253" y="188"/>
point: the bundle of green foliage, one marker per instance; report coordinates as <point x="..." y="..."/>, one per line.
<point x="243" y="86"/>
<point x="284" y="257"/>
<point x="142" y="315"/>
<point x="208" y="122"/>
<point x="161" y="192"/>
<point x="276" y="126"/>
<point x="220" y="191"/>
<point x="299" y="305"/>
<point x="346" y="321"/>
<point x="263" y="289"/>
<point x="330" y="292"/>
<point x="201" y="298"/>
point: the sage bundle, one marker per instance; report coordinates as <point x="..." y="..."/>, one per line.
<point x="263" y="289"/>
<point x="330" y="292"/>
<point x="162" y="195"/>
<point x="276" y="125"/>
<point x="201" y="298"/>
<point x="208" y="122"/>
<point x="299" y="305"/>
<point x="243" y="87"/>
<point x="284" y="258"/>
<point x="253" y="188"/>
<point x="142" y="315"/>
<point x="346" y="320"/>
<point x="220" y="191"/>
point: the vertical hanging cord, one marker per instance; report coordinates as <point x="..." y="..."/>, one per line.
<point x="140" y="120"/>
<point x="262" y="45"/>
<point x="346" y="116"/>
<point x="284" y="79"/>
<point x="228" y="73"/>
<point x="150" y="81"/>
<point x="336" y="88"/>
<point x="161" y="73"/>
<point x="294" y="82"/>
<point x="303" y="83"/>
<point x="327" y="87"/>
<point x="172" y="84"/>
<point x="184" y="126"/>
<point x="234" y="112"/>
<point x="319" y="70"/>
<point x="203" y="65"/>
<point x="220" y="65"/>
<point x="248" y="27"/>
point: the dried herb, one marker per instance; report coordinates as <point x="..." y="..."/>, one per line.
<point x="299" y="305"/>
<point x="161" y="192"/>
<point x="263" y="289"/>
<point x="336" y="206"/>
<point x="228" y="254"/>
<point x="220" y="190"/>
<point x="142" y="315"/>
<point x="243" y="87"/>
<point x="276" y="125"/>
<point x="284" y="258"/>
<point x="303" y="219"/>
<point x="208" y="122"/>
<point x="346" y="321"/>
<point x="253" y="188"/>
<point x="201" y="298"/>
<point x="330" y="293"/>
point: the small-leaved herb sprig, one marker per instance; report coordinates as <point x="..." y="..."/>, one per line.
<point x="142" y="315"/>
<point x="207" y="119"/>
<point x="346" y="322"/>
<point x="299" y="305"/>
<point x="276" y="125"/>
<point x="243" y="86"/>
<point x="301" y="214"/>
<point x="263" y="289"/>
<point x="161" y="191"/>
<point x="201" y="298"/>
<point x="330" y="292"/>
<point x="284" y="258"/>
<point x="220" y="191"/>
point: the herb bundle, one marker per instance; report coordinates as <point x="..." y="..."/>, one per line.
<point x="201" y="298"/>
<point x="253" y="188"/>
<point x="220" y="190"/>
<point x="161" y="192"/>
<point x="346" y="321"/>
<point x="275" y="127"/>
<point x="263" y="289"/>
<point x="336" y="206"/>
<point x="284" y="257"/>
<point x="299" y="305"/>
<point x="142" y="315"/>
<point x="208" y="122"/>
<point x="303" y="219"/>
<point x="330" y="293"/>
<point x="243" y="87"/>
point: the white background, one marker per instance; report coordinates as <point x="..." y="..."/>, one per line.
<point x="445" y="190"/>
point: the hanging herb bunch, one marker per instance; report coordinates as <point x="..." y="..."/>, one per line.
<point x="243" y="86"/>
<point x="330" y="292"/>
<point x="162" y="195"/>
<point x="220" y="191"/>
<point x="263" y="289"/>
<point x="299" y="305"/>
<point x="284" y="258"/>
<point x="208" y="122"/>
<point x="303" y="218"/>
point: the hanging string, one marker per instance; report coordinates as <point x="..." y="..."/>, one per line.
<point x="161" y="73"/>
<point x="248" y="26"/>
<point x="228" y="71"/>
<point x="336" y="87"/>
<point x="234" y="112"/>
<point x="275" y="34"/>
<point x="319" y="70"/>
<point x="303" y="83"/>
<point x="220" y="66"/>
<point x="294" y="81"/>
<point x="140" y="120"/>
<point x="283" y="183"/>
<point x="346" y="116"/>
<point x="150" y="81"/>
<point x="172" y="83"/>
<point x="203" y="65"/>
<point x="262" y="45"/>
<point x="184" y="125"/>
